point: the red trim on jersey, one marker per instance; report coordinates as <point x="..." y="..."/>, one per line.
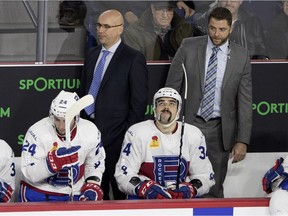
<point x="147" y="169"/>
<point x="25" y="184"/>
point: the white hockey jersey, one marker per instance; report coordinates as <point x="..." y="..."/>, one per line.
<point x="147" y="153"/>
<point x="7" y="164"/>
<point x="41" y="138"/>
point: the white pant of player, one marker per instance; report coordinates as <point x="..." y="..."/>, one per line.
<point x="279" y="202"/>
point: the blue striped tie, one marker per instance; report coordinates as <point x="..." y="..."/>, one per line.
<point x="95" y="84"/>
<point x="209" y="89"/>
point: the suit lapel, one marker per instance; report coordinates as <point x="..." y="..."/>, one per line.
<point x="201" y="61"/>
<point x="231" y="62"/>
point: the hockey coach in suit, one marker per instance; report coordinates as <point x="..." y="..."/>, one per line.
<point x="122" y="96"/>
<point x="229" y="125"/>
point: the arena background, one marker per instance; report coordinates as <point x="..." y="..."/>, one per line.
<point x="27" y="90"/>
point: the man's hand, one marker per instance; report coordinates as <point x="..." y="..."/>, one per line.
<point x="5" y="192"/>
<point x="91" y="192"/>
<point x="238" y="152"/>
<point x="186" y="190"/>
<point x="130" y="17"/>
<point x="272" y="175"/>
<point x="151" y="190"/>
<point x="188" y="11"/>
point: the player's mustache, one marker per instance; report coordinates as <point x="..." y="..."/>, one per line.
<point x="162" y="111"/>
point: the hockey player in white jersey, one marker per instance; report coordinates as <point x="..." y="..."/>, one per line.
<point x="275" y="183"/>
<point x="148" y="164"/>
<point x="47" y="158"/>
<point x="7" y="172"/>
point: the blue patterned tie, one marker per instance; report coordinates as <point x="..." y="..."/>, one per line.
<point x="209" y="89"/>
<point x="95" y="84"/>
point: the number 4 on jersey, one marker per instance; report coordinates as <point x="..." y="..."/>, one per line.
<point x="127" y="149"/>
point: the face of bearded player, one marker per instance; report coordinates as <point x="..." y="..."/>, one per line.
<point x="166" y="109"/>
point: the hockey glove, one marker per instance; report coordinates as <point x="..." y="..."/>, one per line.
<point x="284" y="184"/>
<point x="62" y="157"/>
<point x="91" y="192"/>
<point x="151" y="190"/>
<point x="6" y="192"/>
<point x="185" y="191"/>
<point x="271" y="175"/>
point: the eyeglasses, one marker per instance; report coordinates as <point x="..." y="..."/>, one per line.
<point x="165" y="104"/>
<point x="106" y="26"/>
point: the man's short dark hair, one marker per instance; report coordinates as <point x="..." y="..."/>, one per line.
<point x="221" y="13"/>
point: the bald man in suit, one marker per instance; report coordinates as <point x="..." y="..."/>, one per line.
<point x="228" y="129"/>
<point x="122" y="96"/>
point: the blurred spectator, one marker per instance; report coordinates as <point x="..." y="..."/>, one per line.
<point x="266" y="11"/>
<point x="71" y="13"/>
<point x="247" y="30"/>
<point x="133" y="10"/>
<point x="159" y="31"/>
<point x="191" y="10"/>
<point x="277" y="36"/>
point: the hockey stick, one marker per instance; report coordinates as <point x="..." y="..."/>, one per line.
<point x="182" y="128"/>
<point x="70" y="114"/>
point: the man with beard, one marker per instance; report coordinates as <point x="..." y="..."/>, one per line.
<point x="148" y="167"/>
<point x="219" y="99"/>
<point x="247" y="29"/>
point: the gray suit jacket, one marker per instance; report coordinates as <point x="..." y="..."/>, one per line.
<point x="236" y="93"/>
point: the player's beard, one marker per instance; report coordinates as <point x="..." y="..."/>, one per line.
<point x="165" y="117"/>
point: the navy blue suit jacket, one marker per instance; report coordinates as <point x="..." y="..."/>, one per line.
<point x="122" y="97"/>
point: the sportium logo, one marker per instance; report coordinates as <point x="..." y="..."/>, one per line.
<point x="41" y="84"/>
<point x="264" y="108"/>
<point x="4" y="112"/>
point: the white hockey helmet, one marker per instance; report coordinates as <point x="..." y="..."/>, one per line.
<point x="61" y="103"/>
<point x="167" y="92"/>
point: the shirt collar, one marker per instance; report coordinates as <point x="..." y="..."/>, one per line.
<point x="113" y="48"/>
<point x="224" y="47"/>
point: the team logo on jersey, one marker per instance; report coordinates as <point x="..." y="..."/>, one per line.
<point x="62" y="177"/>
<point x="55" y="146"/>
<point x="155" y="143"/>
<point x="166" y="167"/>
